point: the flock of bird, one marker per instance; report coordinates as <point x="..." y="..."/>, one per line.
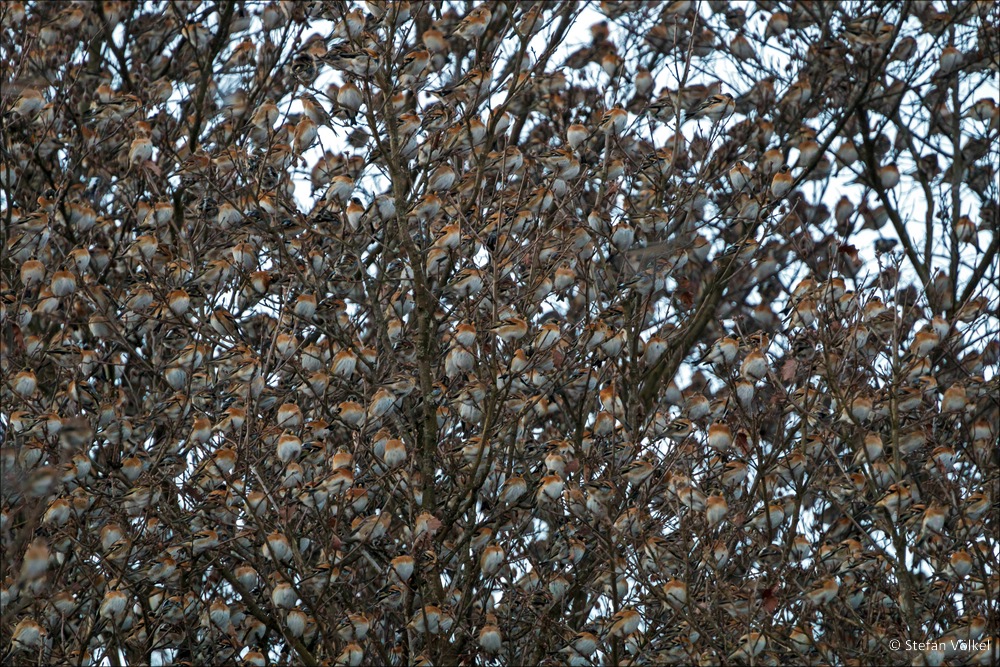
<point x="538" y="378"/>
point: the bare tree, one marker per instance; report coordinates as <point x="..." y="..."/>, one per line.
<point x="499" y="333"/>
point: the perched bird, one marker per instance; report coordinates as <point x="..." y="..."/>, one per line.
<point x="755" y="366"/>
<point x="715" y="108"/>
<point x="777" y="24"/>
<point x="490" y="637"/>
<point x="888" y="176"/>
<point x="580" y="647"/>
<point x="782" y="182"/>
<point x="28" y="635"/>
<point x="471" y="85"/>
<point x="623" y="623"/>
<point x="825" y="591"/>
<point x="740" y="175"/>
<point x="751" y="645"/>
<point x="474" y="24"/>
<point x="716" y="509"/>
<point x="868" y="30"/>
<point x="28" y="103"/>
<point x="511" y="329"/>
<point x="613" y="121"/>
<point x="140" y="151"/>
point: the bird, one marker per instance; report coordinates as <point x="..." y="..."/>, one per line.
<point x="471" y="85"/>
<point x="474" y="24"/>
<point x="140" y="151"/>
<point x="715" y="108"/>
<point x="959" y="564"/>
<point x="965" y="630"/>
<point x="768" y="519"/>
<point x="675" y="591"/>
<point x="782" y="182"/>
<point x="576" y="134"/>
<point x="442" y="178"/>
<point x="723" y="351"/>
<point x="797" y="94"/>
<point x="24" y="383"/>
<point x="897" y="499"/>
<point x="868" y="31"/>
<point x="351" y="656"/>
<point x="360" y="63"/>
<point x="490" y="637"/>
<point x="776" y="26"/>
<point x="580" y="647"/>
<point x="739" y="176"/>
<point x="350" y="99"/>
<point x="550" y="488"/>
<point x="824" y="591"/>
<point x="984" y="110"/>
<point x="415" y="62"/>
<point x="613" y="121"/>
<point x="530" y="21"/>
<point x="624" y="622"/>
<point x="491" y="559"/>
<point x="664" y="107"/>
<point x="716" y="509"/>
<point x="113" y="606"/>
<point x="28" y="103"/>
<point x="888" y="176"/>
<point x="305" y="133"/>
<point x="28" y="635"/>
<point x="679" y="429"/>
<point x="512" y="490"/>
<point x="751" y="645"/>
<point x="754" y="366"/>
<point x="637" y="471"/>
